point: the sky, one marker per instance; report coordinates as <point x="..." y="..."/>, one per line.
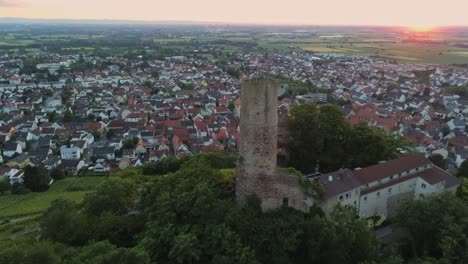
<point x="410" y="13"/>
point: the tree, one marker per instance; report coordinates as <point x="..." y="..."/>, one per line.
<point x="190" y="229"/>
<point x="52" y="116"/>
<point x="438" y="160"/>
<point x="130" y="143"/>
<point x="28" y="252"/>
<point x="97" y="135"/>
<point x="5" y="185"/>
<point x="106" y="253"/>
<point x="463" y="169"/>
<point x="68" y="116"/>
<point x="91" y="117"/>
<point x="36" y="178"/>
<point x="320" y="138"/>
<point x="57" y="174"/>
<point x="116" y="196"/>
<point x="366" y="146"/>
<point x="231" y="106"/>
<point x="110" y="134"/>
<point x="155" y="74"/>
<point x="437" y="225"/>
<point x="63" y="223"/>
<point x="304" y="148"/>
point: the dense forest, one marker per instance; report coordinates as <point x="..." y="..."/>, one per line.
<point x="182" y="211"/>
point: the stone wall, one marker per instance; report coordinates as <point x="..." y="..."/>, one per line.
<point x="257" y="168"/>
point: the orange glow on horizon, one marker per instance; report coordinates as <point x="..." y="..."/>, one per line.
<point x="421" y="29"/>
<point x="402" y="13"/>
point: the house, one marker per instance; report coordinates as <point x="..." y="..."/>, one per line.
<point x="52" y="163"/>
<point x="141" y="147"/>
<point x="377" y="190"/>
<point x="45" y="142"/>
<point x="7" y="130"/>
<point x="12" y="149"/>
<point x="157" y="155"/>
<point x="17" y="178"/>
<point x="70" y="153"/>
<point x="100" y="167"/>
<point x="15" y="175"/>
<point x="73" y="165"/>
<point x="128" y="154"/>
<point x="107" y="153"/>
<point x="20" y="161"/>
<point x="456" y="124"/>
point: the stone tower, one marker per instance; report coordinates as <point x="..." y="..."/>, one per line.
<point x="257" y="169"/>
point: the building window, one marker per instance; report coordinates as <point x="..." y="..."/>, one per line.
<point x="378" y="194"/>
<point x="367" y="185"/>
<point x="355" y="202"/>
<point x="391" y="177"/>
<point x="390" y="190"/>
<point x="285" y="202"/>
<point x="364" y="198"/>
<point x="341" y="197"/>
<point x="423" y="185"/>
<point x="347" y="195"/>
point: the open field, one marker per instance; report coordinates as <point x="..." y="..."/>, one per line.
<point x="13" y="206"/>
<point x="443" y="46"/>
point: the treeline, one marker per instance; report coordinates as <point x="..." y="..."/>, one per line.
<point x="296" y="87"/>
<point x="320" y="139"/>
<point x="458" y="90"/>
<point x="187" y="216"/>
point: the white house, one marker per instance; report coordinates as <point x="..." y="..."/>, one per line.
<point x="456" y="124"/>
<point x="70" y="153"/>
<point x="12" y="149"/>
<point x="377" y="190"/>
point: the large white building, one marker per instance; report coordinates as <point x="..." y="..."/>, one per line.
<point x="70" y="153"/>
<point x="377" y="190"/>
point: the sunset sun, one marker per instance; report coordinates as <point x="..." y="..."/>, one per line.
<point x="421" y="28"/>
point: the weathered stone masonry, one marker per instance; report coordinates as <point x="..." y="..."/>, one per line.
<point x="257" y="169"/>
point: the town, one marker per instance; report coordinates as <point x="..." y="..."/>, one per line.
<point x="131" y="112"/>
<point x="233" y="132"/>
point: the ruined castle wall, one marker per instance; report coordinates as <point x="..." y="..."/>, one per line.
<point x="257" y="168"/>
<point x="258" y="133"/>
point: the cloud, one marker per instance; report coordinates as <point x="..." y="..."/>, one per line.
<point x="10" y="3"/>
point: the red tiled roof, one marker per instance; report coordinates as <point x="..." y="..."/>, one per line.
<point x="391" y="167"/>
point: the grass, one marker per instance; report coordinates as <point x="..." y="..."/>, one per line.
<point x="27" y="226"/>
<point x="13" y="206"/>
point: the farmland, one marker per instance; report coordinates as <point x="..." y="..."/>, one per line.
<point x="12" y="206"/>
<point x="443" y="46"/>
<point x="19" y="214"/>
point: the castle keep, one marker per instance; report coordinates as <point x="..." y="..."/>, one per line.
<point x="375" y="190"/>
<point x="257" y="170"/>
